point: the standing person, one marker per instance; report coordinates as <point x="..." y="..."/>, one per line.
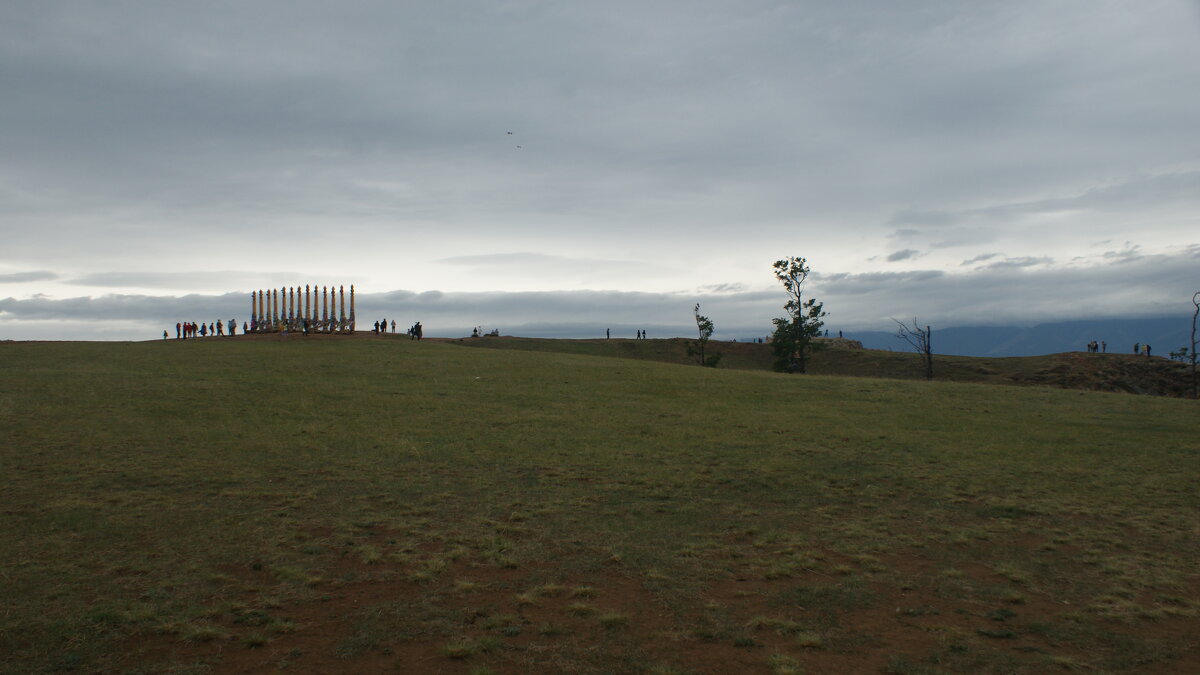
<point x="220" y="327"/>
<point x="376" y="328"/>
<point x="607" y="334"/>
<point x="203" y="330"/>
<point x="1147" y="351"/>
<point x="211" y="330"/>
<point x="178" y="330"/>
<point x="419" y="330"/>
<point x="164" y="335"/>
<point x="1104" y="346"/>
<point x="393" y="326"/>
<point x="232" y="327"/>
<point x="1137" y="348"/>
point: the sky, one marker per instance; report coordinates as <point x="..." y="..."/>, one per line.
<point x="556" y="168"/>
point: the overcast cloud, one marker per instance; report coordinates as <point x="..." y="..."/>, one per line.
<point x="961" y="162"/>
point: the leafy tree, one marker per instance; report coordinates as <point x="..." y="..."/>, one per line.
<point x="696" y="349"/>
<point x="793" y="338"/>
<point x="919" y="340"/>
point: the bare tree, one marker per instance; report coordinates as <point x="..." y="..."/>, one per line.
<point x="920" y="340"/>
<point x="1196" y="302"/>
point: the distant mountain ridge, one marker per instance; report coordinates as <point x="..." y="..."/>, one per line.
<point x="1163" y="334"/>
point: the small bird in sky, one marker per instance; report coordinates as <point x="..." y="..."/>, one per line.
<point x="510" y="133"/>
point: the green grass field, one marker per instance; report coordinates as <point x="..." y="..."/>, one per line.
<point x="387" y="505"/>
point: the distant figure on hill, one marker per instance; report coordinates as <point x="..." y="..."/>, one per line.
<point x="1147" y="348"/>
<point x="232" y="327"/>
<point x="393" y="326"/>
<point x="376" y="328"/>
<point x="220" y="327"/>
<point x="607" y="334"/>
<point x="1104" y="346"/>
<point x="164" y="335"/>
<point x="1137" y="348"/>
<point x="178" y="330"/>
<point x="203" y="330"/>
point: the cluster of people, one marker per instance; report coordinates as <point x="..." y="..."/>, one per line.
<point x="191" y="329"/>
<point x="1139" y="348"/>
<point x="1097" y="347"/>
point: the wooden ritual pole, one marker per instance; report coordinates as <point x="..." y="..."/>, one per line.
<point x="307" y="293"/>
<point x="342" y="312"/>
<point x="351" y="308"/>
<point x="324" y="304"/>
<point x="261" y="316"/>
<point x="253" y="316"/>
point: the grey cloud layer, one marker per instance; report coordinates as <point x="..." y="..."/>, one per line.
<point x="26" y="277"/>
<point x="724" y="100"/>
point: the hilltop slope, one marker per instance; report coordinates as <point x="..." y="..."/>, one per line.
<point x="1071" y="370"/>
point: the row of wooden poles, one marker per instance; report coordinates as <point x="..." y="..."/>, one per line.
<point x="291" y="305"/>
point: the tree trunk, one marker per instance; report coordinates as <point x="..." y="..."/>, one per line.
<point x="928" y="354"/>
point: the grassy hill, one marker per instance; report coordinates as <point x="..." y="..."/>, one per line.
<point x="325" y="505"/>
<point x="1074" y="370"/>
